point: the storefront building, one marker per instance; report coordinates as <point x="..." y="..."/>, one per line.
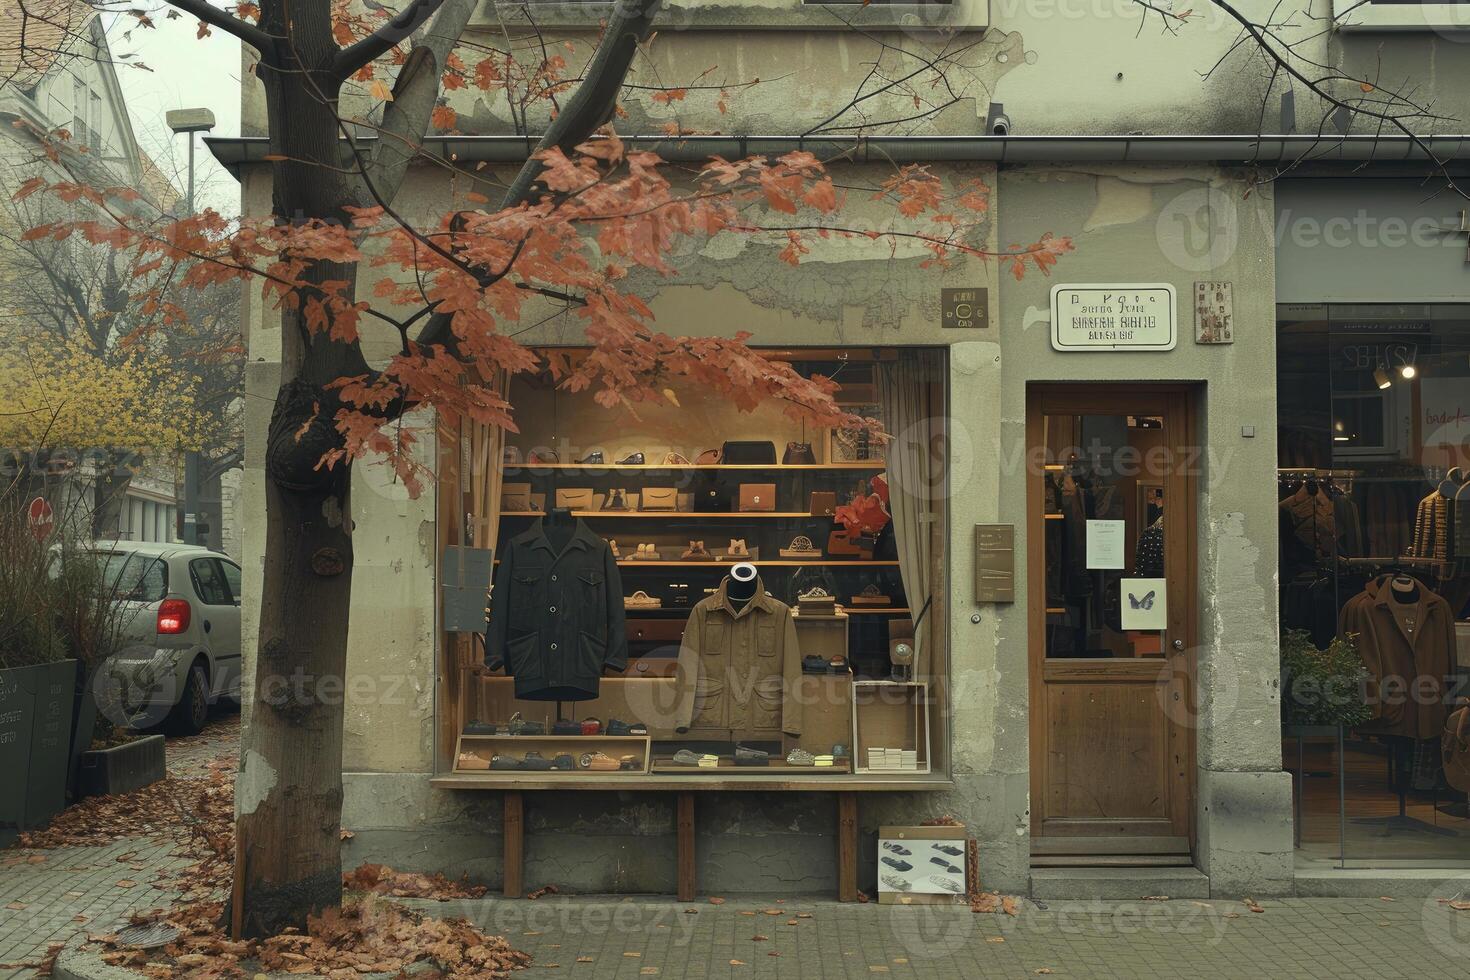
<point x="1062" y="631"/>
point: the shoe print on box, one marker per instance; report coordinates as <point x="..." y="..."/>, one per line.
<point x="914" y="865"/>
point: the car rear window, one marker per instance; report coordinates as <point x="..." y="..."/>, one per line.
<point x="141" y="578"/>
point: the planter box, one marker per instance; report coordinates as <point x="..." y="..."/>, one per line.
<point x="122" y="768"/>
<point x="35" y="743"/>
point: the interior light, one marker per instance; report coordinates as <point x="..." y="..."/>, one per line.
<point x="1381" y="377"/>
<point x="1407" y="371"/>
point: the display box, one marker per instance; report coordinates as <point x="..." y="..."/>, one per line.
<point x="890" y="726"/>
<point x="922" y="865"/>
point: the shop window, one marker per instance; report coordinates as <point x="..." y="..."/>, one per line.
<point x="1374" y="490"/>
<point x="621" y="543"/>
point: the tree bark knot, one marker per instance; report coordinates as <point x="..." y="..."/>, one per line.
<point x="328" y="562"/>
<point x="303" y="429"/>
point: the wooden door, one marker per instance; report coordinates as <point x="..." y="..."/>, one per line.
<point x="1111" y="586"/>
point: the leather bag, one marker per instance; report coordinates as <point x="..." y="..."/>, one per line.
<point x="574" y="498"/>
<point x="757" y="497"/>
<point x="659" y="498"/>
<point x="798" y="454"/>
<point x="748" y="453"/>
<point x="823" y="503"/>
<point x="1454" y="747"/>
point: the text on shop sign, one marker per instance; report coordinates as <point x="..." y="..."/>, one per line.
<point x="1097" y="316"/>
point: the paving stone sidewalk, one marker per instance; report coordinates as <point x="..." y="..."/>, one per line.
<point x="71" y="890"/>
<point x="1327" y="938"/>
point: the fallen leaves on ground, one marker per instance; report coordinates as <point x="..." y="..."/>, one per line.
<point x="43" y="966"/>
<point x="717" y="901"/>
<point x="1154" y="898"/>
<point x="383" y="880"/>
<point x="1253" y="905"/>
<point x="540" y="892"/>
<point x="369" y="935"/>
<point x="992" y="902"/>
<point x="1455" y="904"/>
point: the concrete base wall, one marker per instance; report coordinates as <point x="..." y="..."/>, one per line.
<point x="1245" y="832"/>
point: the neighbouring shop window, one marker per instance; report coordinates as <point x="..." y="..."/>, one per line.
<point x="1374" y="514"/>
<point x="687" y="588"/>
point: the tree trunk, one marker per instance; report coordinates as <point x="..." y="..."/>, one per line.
<point x="109" y="494"/>
<point x="288" y="795"/>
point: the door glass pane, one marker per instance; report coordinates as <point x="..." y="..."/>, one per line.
<point x="1104" y="528"/>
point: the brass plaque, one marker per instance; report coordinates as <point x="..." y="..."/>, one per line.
<point x="995" y="563"/>
<point x="965" y="309"/>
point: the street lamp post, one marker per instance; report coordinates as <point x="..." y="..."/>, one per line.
<point x="190" y="121"/>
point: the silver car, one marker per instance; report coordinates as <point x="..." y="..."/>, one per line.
<point x="180" y="611"/>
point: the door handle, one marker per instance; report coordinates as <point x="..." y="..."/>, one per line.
<point x="1177" y="644"/>
<point x="206" y="628"/>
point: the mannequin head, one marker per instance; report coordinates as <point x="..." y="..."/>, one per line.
<point x="742" y="581"/>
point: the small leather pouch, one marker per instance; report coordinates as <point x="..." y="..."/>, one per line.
<point x="798" y="454"/>
<point x="823" y="503"/>
<point x="574" y="498"/>
<point x="757" y="496"/>
<point x="515" y="497"/>
<point x="659" y="498"/>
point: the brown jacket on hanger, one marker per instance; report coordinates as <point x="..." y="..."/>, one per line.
<point x="1431" y="527"/>
<point x="1408" y="655"/>
<point x="739" y="671"/>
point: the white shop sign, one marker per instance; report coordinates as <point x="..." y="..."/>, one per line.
<point x="1113" y="316"/>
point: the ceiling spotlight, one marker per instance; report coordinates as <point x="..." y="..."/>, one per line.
<point x="1381" y="377"/>
<point x="1407" y="371"/>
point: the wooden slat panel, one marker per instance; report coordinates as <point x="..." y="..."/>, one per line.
<point x="1113" y="861"/>
<point x="684" y="870"/>
<point x="1109" y="845"/>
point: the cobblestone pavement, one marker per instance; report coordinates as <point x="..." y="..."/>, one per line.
<point x="49" y="895"/>
<point x="1328" y="938"/>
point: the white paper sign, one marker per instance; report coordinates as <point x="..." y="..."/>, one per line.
<point x="1105" y="544"/>
<point x="1444" y="404"/>
<point x="1121" y="316"/>
<point x="1145" y="603"/>
<point x="921" y="867"/>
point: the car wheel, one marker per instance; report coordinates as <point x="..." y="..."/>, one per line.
<point x="192" y="711"/>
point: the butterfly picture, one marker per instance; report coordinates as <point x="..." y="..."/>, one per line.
<point x="1147" y="607"/>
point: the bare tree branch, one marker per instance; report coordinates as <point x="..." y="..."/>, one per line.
<point x="215" y="17"/>
<point x="398" y="29"/>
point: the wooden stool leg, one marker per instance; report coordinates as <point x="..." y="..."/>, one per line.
<point x="847" y="847"/>
<point x="515" y="844"/>
<point x="685" y="862"/>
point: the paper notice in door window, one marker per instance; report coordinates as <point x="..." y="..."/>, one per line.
<point x="1104" y="544"/>
<point x="1145" y="604"/>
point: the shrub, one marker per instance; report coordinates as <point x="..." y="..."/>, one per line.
<point x="1321" y="687"/>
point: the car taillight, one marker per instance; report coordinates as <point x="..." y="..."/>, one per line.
<point x="173" y="616"/>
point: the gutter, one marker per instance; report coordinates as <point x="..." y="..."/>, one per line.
<point x="235" y="152"/>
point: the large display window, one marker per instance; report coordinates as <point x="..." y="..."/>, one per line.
<point x="686" y="590"/>
<point x="1374" y="513"/>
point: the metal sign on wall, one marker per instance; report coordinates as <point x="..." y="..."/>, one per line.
<point x="1114" y="316"/>
<point x="965" y="309"/>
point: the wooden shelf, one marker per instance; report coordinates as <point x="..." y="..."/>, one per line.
<point x="817" y="563"/>
<point x="865" y="464"/>
<point x="634" y="563"/>
<point x="671" y="514"/>
<point x="665" y="764"/>
<point x="876" y="610"/>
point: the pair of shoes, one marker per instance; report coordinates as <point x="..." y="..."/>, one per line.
<point x="897" y="865"/>
<point x="602" y="762"/>
<point x="481" y="728"/>
<point x="598" y="458"/>
<point x="675" y="459"/>
<point x="544" y="456"/>
<point x="566" y="728"/>
<point x="738" y="548"/>
<point x="896" y="883"/>
<point x="499" y="761"/>
<point x="946" y="866"/>
<point x="519" y="726"/>
<point x="751" y="757"/>
<point x="948" y="884"/>
<point x="647" y="552"/>
<point x="622" y="728"/>
<point x="536" y="762"/>
<point x="948" y="849"/>
<point x="684" y="757"/>
<point x="563" y="761"/>
<point x="800" y="757"/>
<point x="813" y="665"/>
<point x="898" y="849"/>
<point x="469" y="760"/>
<point x="594" y="458"/>
<point x="629" y="763"/>
<point x="695" y="552"/>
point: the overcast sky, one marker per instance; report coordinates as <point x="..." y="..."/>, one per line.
<point x="187" y="73"/>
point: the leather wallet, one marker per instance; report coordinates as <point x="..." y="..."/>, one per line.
<point x="515" y="497"/>
<point x="659" y="498"/>
<point x="757" y="496"/>
<point x="823" y="503"/>
<point x="574" y="498"/>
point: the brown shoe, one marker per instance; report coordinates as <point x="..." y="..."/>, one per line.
<point x="598" y="762"/>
